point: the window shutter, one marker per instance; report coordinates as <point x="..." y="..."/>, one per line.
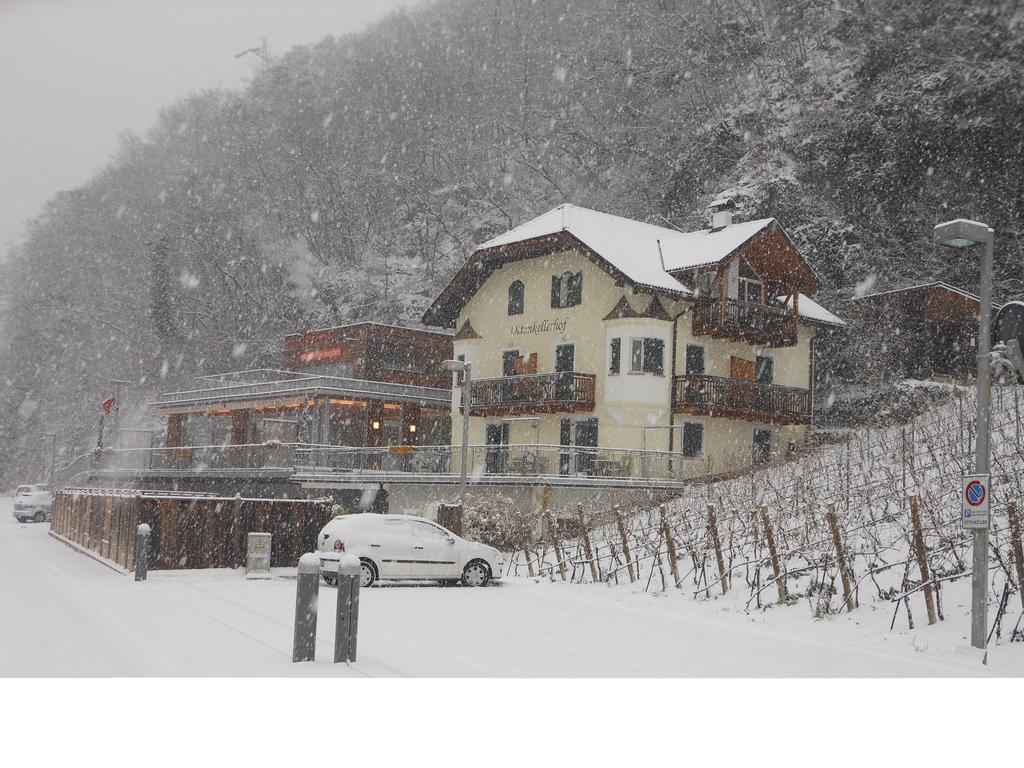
<point x="556" y="284"/>
<point x="693" y="440"/>
<point x="616" y="356"/>
<point x="575" y="290"/>
<point x="654" y="356"/>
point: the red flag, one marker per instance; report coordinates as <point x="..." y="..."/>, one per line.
<point x="108" y="404"/>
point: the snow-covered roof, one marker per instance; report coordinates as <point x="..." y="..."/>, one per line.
<point x="813" y="312"/>
<point x="687" y="250"/>
<point x="647" y="255"/>
<point x="919" y="287"/>
<point x="629" y="246"/>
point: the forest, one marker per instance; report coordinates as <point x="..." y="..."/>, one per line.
<point x="350" y="179"/>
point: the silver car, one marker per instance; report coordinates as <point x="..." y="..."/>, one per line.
<point x="404" y="547"/>
<point x="33" y="502"/>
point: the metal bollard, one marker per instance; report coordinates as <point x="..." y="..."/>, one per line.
<point x="346" y="625"/>
<point x="141" y="551"/>
<point x="306" y="593"/>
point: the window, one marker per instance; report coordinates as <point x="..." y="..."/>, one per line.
<point x="508" y="362"/>
<point x="750" y="287"/>
<point x="616" y="362"/>
<point x="693" y="440"/>
<point x="647" y="356"/>
<point x="515" y="298"/>
<point x="566" y="290"/>
<point x="460" y="376"/>
<point x="765" y="369"/>
<point x="636" y="355"/>
<point x="694" y="360"/>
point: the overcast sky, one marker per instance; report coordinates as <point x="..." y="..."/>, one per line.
<point x="76" y="73"/>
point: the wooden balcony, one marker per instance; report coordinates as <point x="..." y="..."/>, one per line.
<point x="565" y="392"/>
<point x="745" y="321"/>
<point x="741" y="399"/>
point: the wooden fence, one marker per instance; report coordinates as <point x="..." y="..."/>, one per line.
<point x="188" y="530"/>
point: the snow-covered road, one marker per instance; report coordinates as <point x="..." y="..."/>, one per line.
<point x="65" y="614"/>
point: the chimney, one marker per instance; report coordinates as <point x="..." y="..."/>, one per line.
<point x="721" y="212"/>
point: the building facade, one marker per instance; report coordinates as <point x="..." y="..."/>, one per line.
<point x="602" y="346"/>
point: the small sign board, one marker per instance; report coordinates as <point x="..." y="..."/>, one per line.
<point x="257" y="556"/>
<point x="974" y="501"/>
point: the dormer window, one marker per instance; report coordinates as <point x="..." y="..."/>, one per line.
<point x="566" y="290"/>
<point x="515" y="298"/>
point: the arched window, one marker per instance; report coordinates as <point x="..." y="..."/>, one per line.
<point x="515" y="298"/>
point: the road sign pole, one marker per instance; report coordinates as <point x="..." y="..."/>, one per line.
<point x="979" y="576"/>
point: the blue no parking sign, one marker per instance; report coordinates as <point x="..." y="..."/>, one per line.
<point x="974" y="501"/>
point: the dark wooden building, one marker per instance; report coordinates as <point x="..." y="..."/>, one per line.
<point x="358" y="385"/>
<point x="922" y="332"/>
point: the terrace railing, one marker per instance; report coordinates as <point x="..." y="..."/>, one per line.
<point x="745" y="320"/>
<point x="486" y="463"/>
<point x="564" y="391"/>
<point x="741" y="398"/>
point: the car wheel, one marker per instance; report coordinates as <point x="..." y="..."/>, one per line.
<point x="476" y="574"/>
<point x="21" y="519"/>
<point x="331" y="581"/>
<point x="39" y="516"/>
<point x="367" y="574"/>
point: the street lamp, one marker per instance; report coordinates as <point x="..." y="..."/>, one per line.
<point x="963" y="233"/>
<point x="463" y="367"/>
<point x="52" y="437"/>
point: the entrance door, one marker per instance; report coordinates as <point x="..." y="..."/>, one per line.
<point x="496" y="458"/>
<point x="586" y="446"/>
<point x="762" y="448"/>
<point x="565" y="363"/>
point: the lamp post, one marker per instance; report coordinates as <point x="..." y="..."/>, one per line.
<point x="463" y="367"/>
<point x="52" y="437"/>
<point x="963" y="233"/>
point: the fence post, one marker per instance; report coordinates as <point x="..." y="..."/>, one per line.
<point x="1018" y="549"/>
<point x="625" y="544"/>
<point x="922" y="557"/>
<point x="346" y="624"/>
<point x="307" y="591"/>
<point x="673" y="561"/>
<point x="587" y="549"/>
<point x="717" y="542"/>
<point x="840" y="556"/>
<point x="141" y="551"/>
<point x="776" y="569"/>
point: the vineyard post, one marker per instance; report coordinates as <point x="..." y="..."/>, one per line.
<point x="625" y="544"/>
<point x="922" y="557"/>
<point x="713" y="528"/>
<point x="673" y="561"/>
<point x="840" y="556"/>
<point x="555" y="542"/>
<point x="1015" y="543"/>
<point x="776" y="569"/>
<point x="587" y="549"/>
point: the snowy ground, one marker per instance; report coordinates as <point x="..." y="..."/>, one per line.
<point x="65" y="614"/>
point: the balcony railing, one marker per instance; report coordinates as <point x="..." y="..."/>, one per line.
<point x="746" y="321"/>
<point x="401" y="463"/>
<point x="566" y="391"/>
<point x="720" y="396"/>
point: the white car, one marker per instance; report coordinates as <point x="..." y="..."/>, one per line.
<point x="32" y="502"/>
<point x="404" y="547"/>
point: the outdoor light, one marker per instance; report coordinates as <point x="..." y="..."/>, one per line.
<point x="412" y="428"/>
<point x="375" y="424"/>
<point x="964" y="233"/>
